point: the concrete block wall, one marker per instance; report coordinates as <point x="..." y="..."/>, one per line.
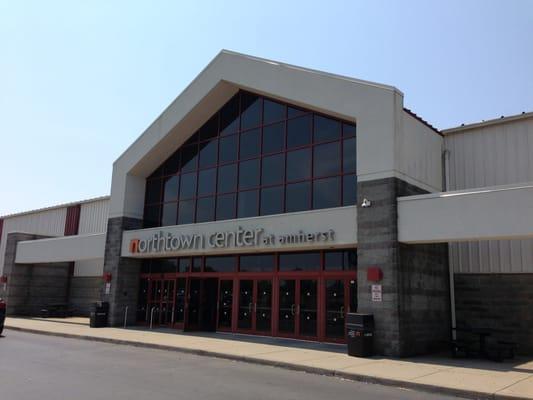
<point x="415" y="281"/>
<point x="84" y="291"/>
<point x="497" y="301"/>
<point x="31" y="287"/>
<point x="125" y="272"/>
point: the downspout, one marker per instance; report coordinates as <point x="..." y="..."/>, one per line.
<point x="446" y="162"/>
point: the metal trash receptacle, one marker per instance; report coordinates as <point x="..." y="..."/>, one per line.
<point x="360" y="334"/>
<point x="99" y="314"/>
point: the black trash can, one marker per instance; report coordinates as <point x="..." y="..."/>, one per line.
<point x="98" y="318"/>
<point x="360" y="334"/>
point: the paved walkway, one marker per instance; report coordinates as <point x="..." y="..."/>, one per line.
<point x="469" y="378"/>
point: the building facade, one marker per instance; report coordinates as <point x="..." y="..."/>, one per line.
<point x="270" y="199"/>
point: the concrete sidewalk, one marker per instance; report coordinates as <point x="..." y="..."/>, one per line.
<point x="468" y="378"/>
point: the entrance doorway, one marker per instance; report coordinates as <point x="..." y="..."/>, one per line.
<point x="298" y="308"/>
<point x="201" y="305"/>
<point x="255" y="306"/>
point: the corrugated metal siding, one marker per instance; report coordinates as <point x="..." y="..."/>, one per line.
<point x="93" y="217"/>
<point x="89" y="267"/>
<point x="487" y="156"/>
<point x="49" y="222"/>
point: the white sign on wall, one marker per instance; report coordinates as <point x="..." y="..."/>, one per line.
<point x="311" y="229"/>
<point x="377" y="293"/>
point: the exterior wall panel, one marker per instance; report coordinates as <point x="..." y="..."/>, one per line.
<point x="498" y="154"/>
<point x="89" y="268"/>
<point x="93" y="216"/>
<point x="46" y="223"/>
<point x="419" y="153"/>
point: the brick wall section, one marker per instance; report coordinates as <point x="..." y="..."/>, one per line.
<point x="413" y="317"/>
<point x="125" y="272"/>
<point x="30" y="287"/>
<point x="84" y="291"/>
<point x="498" y="301"/>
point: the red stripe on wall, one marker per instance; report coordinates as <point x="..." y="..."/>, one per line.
<point x="72" y="222"/>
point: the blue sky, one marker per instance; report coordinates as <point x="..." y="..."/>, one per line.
<point x="79" y="81"/>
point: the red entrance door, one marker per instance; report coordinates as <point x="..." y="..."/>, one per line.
<point x="254" y="313"/>
<point x="161" y="301"/>
<point x="298" y="308"/>
<point x="340" y="298"/>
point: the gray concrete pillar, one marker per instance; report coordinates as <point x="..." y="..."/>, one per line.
<point x="413" y="316"/>
<point x="125" y="272"/>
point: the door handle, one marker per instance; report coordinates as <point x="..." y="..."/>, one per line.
<point x="292" y="308"/>
<point x="342" y="310"/>
<point x="255" y="308"/>
<point x="250" y="307"/>
<point x="298" y="309"/>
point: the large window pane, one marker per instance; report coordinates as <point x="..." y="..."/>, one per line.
<point x="298" y="197"/>
<point x="326" y="193"/>
<point x="189" y="158"/>
<point x="229" y="149"/>
<point x="184" y="264"/>
<point x="327" y="159"/>
<point x="299" y="261"/>
<point x="274" y="138"/>
<point x="326" y="129"/>
<point x="249" y="174"/>
<point x="207" y="181"/>
<point x="220" y="264"/>
<point x="349" y="190"/>
<point x="299" y="131"/>
<point x="273" y="170"/>
<point x="226" y="206"/>
<point x="295" y="111"/>
<point x="250" y="110"/>
<point x="299" y="165"/>
<point x="250" y="145"/>
<point x="272" y="200"/>
<point x="153" y="191"/>
<point x="348" y="130"/>
<point x="188" y="186"/>
<point x="151" y="216"/>
<point x="208" y="153"/>
<point x="248" y="204"/>
<point x="186" y="212"/>
<point x="344" y="260"/>
<point x="349" y="155"/>
<point x="170" y="211"/>
<point x="210" y="128"/>
<point x="205" y="209"/>
<point x="172" y="165"/>
<point x="170" y="188"/>
<point x="273" y="111"/>
<point x="229" y="116"/>
<point x="227" y="178"/>
<point x="257" y="263"/>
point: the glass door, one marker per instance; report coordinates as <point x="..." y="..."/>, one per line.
<point x="246" y="302"/>
<point x="167" y="302"/>
<point x="298" y="307"/>
<point x="179" y="302"/>
<point x="335" y="308"/>
<point x="287" y="307"/>
<point x="307" y="308"/>
<point x="142" y="303"/>
<point x="192" y="306"/>
<point x="263" y="306"/>
<point x="154" y="303"/>
<point x="225" y="305"/>
<point x="255" y="306"/>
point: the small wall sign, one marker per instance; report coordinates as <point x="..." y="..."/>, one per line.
<point x="377" y="293"/>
